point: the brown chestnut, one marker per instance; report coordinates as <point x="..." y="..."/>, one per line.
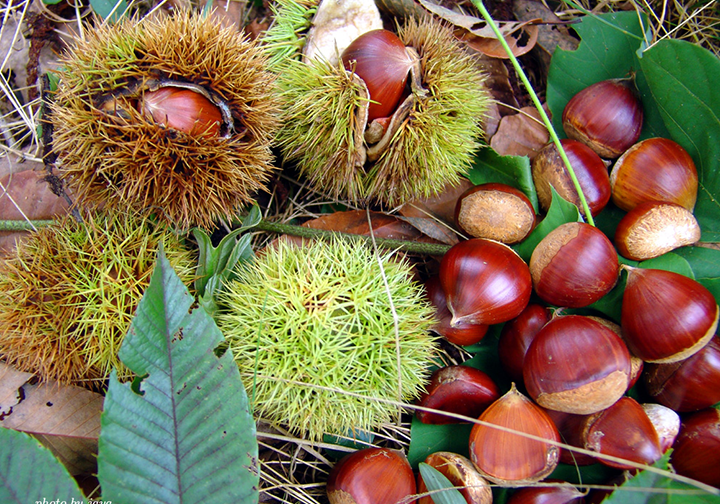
<point x="507" y="457"/>
<point x="623" y="430"/>
<point x="460" y="472"/>
<point x="696" y="452"/>
<point x="666" y="422"/>
<point x="607" y="116"/>
<point x="183" y="110"/>
<point x="559" y="492"/>
<point x="380" y="59"/>
<point x="548" y="169"/>
<point x="574" y="265"/>
<point x="653" y="228"/>
<point x="371" y="476"/>
<point x="688" y="385"/>
<point x="462" y="333"/>
<point x="457" y="389"/>
<point x="576" y="365"/>
<point x="656" y="169"/>
<point x="485" y="282"/>
<point x="516" y="336"/>
<point x="666" y="317"/>
<point x="495" y="211"/>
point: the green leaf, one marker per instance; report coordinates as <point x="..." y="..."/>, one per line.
<point x="30" y="473"/>
<point x="216" y="265"/>
<point x="608" y="50"/>
<point x="189" y="436"/>
<point x="682" y="77"/>
<point x="705" y="263"/>
<point x="489" y="166"/>
<point x="560" y="212"/>
<point x="434" y="481"/>
<point x="106" y="8"/>
<point x="426" y="439"/>
<point x="669" y="262"/>
<point x="652" y="488"/>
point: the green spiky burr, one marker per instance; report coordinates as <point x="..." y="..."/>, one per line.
<point x="325" y="334"/>
<point x="324" y="132"/>
<point x="112" y="151"/>
<point x="69" y="292"/>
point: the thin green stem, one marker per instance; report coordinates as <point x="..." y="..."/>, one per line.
<point x="546" y="120"/>
<point x="410" y="247"/>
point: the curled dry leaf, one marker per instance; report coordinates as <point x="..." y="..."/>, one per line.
<point x="521" y="134"/>
<point x="552" y="33"/>
<point x="26" y="195"/>
<point x="520" y="36"/>
<point x="66" y="419"/>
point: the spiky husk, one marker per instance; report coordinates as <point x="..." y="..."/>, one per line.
<point x="69" y="292"/>
<point x="185" y="179"/>
<point x="433" y="147"/>
<point x="309" y="326"/>
<point x="285" y="39"/>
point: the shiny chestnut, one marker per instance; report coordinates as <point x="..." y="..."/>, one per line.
<point x="485" y="282"/>
<point x="574" y="265"/>
<point x="548" y="169"/>
<point x="607" y="116"/>
<point x="457" y="389"/>
<point x="656" y="169"/>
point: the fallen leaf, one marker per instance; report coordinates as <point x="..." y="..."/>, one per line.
<point x="520" y="36"/>
<point x="64" y="418"/>
<point x="498" y="82"/>
<point x="552" y="31"/>
<point x="521" y="134"/>
<point x="26" y="195"/>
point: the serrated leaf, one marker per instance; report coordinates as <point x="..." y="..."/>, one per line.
<point x="681" y="77"/>
<point x="489" y="166"/>
<point x="560" y="212"/>
<point x="30" y="473"/>
<point x="436" y="481"/>
<point x="188" y="436"/>
<point x="669" y="262"/>
<point x="652" y="488"/>
<point x="608" y="50"/>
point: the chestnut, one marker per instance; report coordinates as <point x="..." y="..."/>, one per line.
<point x="380" y="59"/>
<point x="462" y="333"/>
<point x="571" y="427"/>
<point x="485" y="282"/>
<point x="548" y="169"/>
<point x="666" y="422"/>
<point x="371" y="476"/>
<point x="460" y="472"/>
<point x="607" y="116"/>
<point x="624" y="431"/>
<point x="507" y="457"/>
<point x="574" y="265"/>
<point x="696" y="452"/>
<point x="656" y="169"/>
<point x="688" y="385"/>
<point x="497" y="212"/>
<point x="183" y="110"/>
<point x="665" y="316"/>
<point x="576" y="365"/>
<point x="561" y="492"/>
<point x="516" y="336"/>
<point x="457" y="389"/>
<point x="653" y="228"/>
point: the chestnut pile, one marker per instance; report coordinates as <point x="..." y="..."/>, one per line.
<point x="571" y="370"/>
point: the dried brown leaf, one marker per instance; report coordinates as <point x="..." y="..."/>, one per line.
<point x="520" y="134"/>
<point x="26" y="194"/>
<point x="66" y="419"/>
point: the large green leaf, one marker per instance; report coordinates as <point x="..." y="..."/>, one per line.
<point x="652" y="488"/>
<point x="681" y="77"/>
<point x="188" y="436"/>
<point x="30" y="473"/>
<point x="609" y="50"/>
<point x="426" y="439"/>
